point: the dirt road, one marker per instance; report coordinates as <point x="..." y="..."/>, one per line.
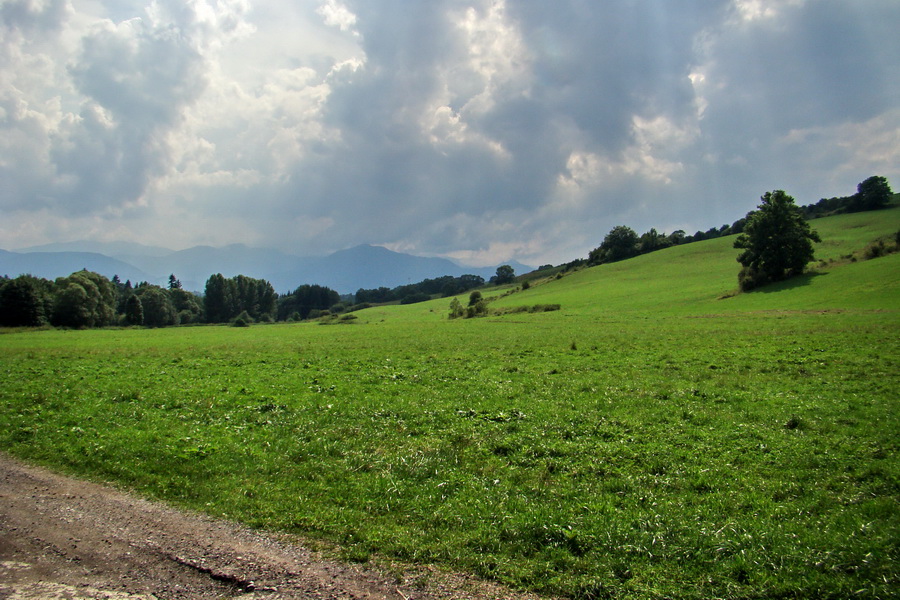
<point x="69" y="539"/>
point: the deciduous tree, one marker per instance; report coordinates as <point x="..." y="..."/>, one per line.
<point x="134" y="311"/>
<point x="871" y="194"/>
<point x="24" y="301"/>
<point x="777" y="242"/>
<point x="620" y="243"/>
<point x="157" y="306"/>
<point x="84" y="299"/>
<point x="505" y="274"/>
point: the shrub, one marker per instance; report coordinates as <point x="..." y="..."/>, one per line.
<point x="474" y="298"/>
<point x="476" y="310"/>
<point x="456" y="309"/>
<point x="545" y="307"/>
<point x="245" y="318"/>
<point x="875" y="250"/>
<point x="750" y="279"/>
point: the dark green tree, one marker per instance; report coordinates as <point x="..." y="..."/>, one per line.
<point x="186" y="304"/>
<point x="266" y="301"/>
<point x="134" y="311"/>
<point x="456" y="309"/>
<point x="24" y="302"/>
<point x="157" y="306"/>
<point x="84" y="299"/>
<point x="777" y="242"/>
<point x="652" y="241"/>
<point x="174" y="284"/>
<point x="245" y="295"/>
<point x="871" y="194"/>
<point x="219" y="299"/>
<point x="620" y="243"/>
<point x="677" y="237"/>
<point x="306" y="299"/>
<point x="505" y="274"/>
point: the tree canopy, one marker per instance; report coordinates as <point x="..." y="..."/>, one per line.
<point x="777" y="242"/>
<point x="871" y="194"/>
<point x="620" y="243"/>
<point x="505" y="274"/>
<point x="84" y="299"/>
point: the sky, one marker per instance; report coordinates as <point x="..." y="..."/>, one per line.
<point x="482" y="130"/>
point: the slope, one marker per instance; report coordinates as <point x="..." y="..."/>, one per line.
<point x="701" y="279"/>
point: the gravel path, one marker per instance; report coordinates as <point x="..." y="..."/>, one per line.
<point x="69" y="539"/>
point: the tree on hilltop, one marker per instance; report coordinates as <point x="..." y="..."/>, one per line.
<point x="871" y="194"/>
<point x="620" y="243"/>
<point x="505" y="274"/>
<point x="777" y="242"/>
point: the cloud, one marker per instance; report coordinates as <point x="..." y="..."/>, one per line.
<point x="486" y="130"/>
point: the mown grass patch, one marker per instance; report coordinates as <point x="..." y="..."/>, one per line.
<point x="646" y="461"/>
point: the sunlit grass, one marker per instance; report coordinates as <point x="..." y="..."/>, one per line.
<point x="651" y="439"/>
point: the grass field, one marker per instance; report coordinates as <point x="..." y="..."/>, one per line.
<point x="658" y="436"/>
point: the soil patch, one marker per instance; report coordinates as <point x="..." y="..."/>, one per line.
<point x="65" y="538"/>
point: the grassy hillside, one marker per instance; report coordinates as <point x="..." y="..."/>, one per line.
<point x="656" y="437"/>
<point x="701" y="278"/>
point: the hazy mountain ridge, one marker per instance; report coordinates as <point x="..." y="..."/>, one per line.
<point x="346" y="271"/>
<point x="51" y="265"/>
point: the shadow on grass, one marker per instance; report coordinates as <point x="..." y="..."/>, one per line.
<point x="788" y="284"/>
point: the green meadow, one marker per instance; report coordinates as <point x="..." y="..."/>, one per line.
<point x="659" y="436"/>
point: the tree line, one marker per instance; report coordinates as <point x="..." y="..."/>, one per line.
<point x="86" y="299"/>
<point x="623" y="242"/>
<point x="445" y="286"/>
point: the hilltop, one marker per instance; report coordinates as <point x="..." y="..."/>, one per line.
<point x="701" y="278"/>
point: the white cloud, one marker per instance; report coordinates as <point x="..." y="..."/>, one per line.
<point x="753" y="10"/>
<point x="337" y="15"/>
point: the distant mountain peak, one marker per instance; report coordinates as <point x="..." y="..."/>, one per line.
<point x="365" y="266"/>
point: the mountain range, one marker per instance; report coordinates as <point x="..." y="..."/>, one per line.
<point x="345" y="271"/>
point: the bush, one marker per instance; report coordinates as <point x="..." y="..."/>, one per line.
<point x="242" y="320"/>
<point x="456" y="309"/>
<point x="875" y="250"/>
<point x="474" y="298"/>
<point x="476" y="310"/>
<point x="750" y="279"/>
